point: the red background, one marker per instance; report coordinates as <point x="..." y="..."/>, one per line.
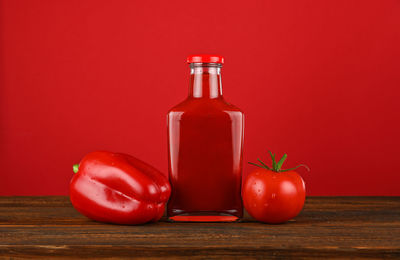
<point x="316" y="79"/>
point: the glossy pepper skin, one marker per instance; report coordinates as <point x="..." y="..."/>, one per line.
<point x="118" y="188"/>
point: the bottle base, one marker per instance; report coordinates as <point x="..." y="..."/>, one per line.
<point x="204" y="218"/>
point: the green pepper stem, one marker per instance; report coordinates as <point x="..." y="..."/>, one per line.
<point x="75" y="168"/>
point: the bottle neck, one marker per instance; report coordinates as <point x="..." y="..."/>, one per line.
<point x="205" y="80"/>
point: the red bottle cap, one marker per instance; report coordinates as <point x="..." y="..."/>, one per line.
<point x="205" y="59"/>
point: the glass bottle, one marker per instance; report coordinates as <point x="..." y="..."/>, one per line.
<point x="205" y="148"/>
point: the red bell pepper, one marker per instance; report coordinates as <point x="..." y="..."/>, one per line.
<point x="118" y="188"/>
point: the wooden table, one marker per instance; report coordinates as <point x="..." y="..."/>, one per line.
<point x="328" y="227"/>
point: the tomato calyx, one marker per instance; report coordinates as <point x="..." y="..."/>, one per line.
<point x="277" y="166"/>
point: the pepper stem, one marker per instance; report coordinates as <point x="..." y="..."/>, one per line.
<point x="277" y="166"/>
<point x="75" y="168"/>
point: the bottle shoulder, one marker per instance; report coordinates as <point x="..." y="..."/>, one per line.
<point x="180" y="107"/>
<point x="198" y="105"/>
<point x="232" y="107"/>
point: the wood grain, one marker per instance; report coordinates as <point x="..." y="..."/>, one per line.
<point x="333" y="227"/>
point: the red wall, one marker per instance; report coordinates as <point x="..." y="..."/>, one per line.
<point x="319" y="80"/>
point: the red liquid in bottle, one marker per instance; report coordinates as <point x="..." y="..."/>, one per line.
<point x="205" y="139"/>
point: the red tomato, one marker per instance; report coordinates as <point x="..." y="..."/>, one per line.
<point x="272" y="195"/>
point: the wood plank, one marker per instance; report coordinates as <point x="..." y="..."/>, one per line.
<point x="327" y="227"/>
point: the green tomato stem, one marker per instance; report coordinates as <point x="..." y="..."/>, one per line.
<point x="277" y="166"/>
